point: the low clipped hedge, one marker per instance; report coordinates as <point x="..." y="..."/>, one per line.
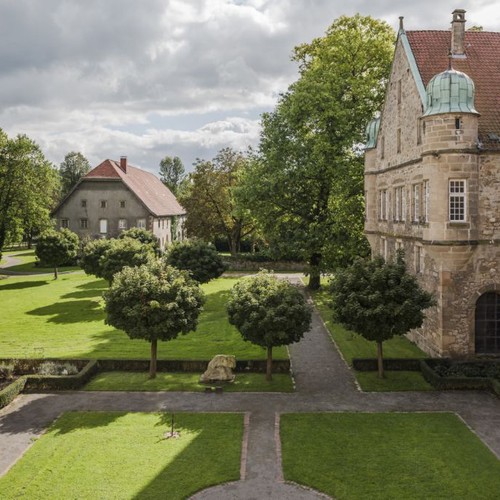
<point x="7" y="394"/>
<point x="446" y="374"/>
<point x="392" y="364"/>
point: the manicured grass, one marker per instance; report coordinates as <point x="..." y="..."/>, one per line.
<point x="393" y="381"/>
<point x="388" y="456"/>
<point x="133" y="381"/>
<point x="64" y="318"/>
<point x="28" y="263"/>
<point x="125" y="455"/>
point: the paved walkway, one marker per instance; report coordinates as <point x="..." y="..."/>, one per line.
<point x="324" y="383"/>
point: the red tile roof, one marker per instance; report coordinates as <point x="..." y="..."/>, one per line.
<point x="482" y="64"/>
<point x="157" y="198"/>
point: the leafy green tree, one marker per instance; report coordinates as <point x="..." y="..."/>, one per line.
<point x="199" y="258"/>
<point x="211" y="207"/>
<point x="56" y="248"/>
<point x="90" y="259"/>
<point x="305" y="188"/>
<point x="172" y="173"/>
<point x="379" y="300"/>
<point x="28" y="188"/>
<point x="153" y="302"/>
<point x="122" y="253"/>
<point x="268" y="312"/>
<point x="72" y="169"/>
<point x="143" y="235"/>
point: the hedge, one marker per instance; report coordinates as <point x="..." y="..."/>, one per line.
<point x="392" y="364"/>
<point x="11" y="391"/>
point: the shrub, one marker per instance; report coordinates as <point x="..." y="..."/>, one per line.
<point x="142" y="235"/>
<point x="11" y="391"/>
<point x="53" y="368"/>
<point x="6" y="371"/>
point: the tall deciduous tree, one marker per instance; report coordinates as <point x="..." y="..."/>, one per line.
<point x="379" y="300"/>
<point x="72" y="169"/>
<point x="172" y="173"/>
<point x="153" y="302"/>
<point x="28" y="188"/>
<point x="306" y="187"/>
<point x="211" y="207"/>
<point x="56" y="248"/>
<point x="268" y="312"/>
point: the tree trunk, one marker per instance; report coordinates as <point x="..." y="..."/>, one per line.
<point x="380" y="359"/>
<point x="314" y="272"/>
<point x="55" y="272"/>
<point x="152" y="364"/>
<point x="269" y="364"/>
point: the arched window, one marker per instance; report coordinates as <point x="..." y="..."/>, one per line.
<point x="488" y="323"/>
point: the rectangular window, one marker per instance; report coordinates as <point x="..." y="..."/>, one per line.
<point x="383" y="204"/>
<point x="122" y="224"/>
<point x="416" y="202"/>
<point x="104" y="203"/>
<point x="397" y="204"/>
<point x="84" y="223"/>
<point x="399" y="91"/>
<point x="398" y="139"/>
<point x="103" y="226"/>
<point x="383" y="247"/>
<point x="404" y="203"/>
<point x="65" y="223"/>
<point x="457" y="205"/>
<point x="159" y="222"/>
<point x="382" y="147"/>
<point x="122" y="204"/>
<point x="419" y="131"/>
<point x="425" y="201"/>
<point x="141" y="223"/>
<point x="83" y="203"/>
<point x="418" y="259"/>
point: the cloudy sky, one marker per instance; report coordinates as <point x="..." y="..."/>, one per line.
<point x="152" y="78"/>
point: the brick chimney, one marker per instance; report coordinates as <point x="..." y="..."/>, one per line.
<point x="123" y="163"/>
<point x="458" y="34"/>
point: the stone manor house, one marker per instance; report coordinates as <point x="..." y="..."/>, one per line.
<point x="115" y="196"/>
<point x="432" y="181"/>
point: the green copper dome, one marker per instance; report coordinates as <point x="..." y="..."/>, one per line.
<point x="371" y="133"/>
<point x="450" y="92"/>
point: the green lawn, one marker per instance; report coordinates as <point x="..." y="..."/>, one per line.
<point x="353" y="345"/>
<point x="133" y="381"/>
<point x="89" y="455"/>
<point x="64" y="318"/>
<point x="388" y="456"/>
<point x="28" y="261"/>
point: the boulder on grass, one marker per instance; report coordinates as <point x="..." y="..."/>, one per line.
<point x="220" y="369"/>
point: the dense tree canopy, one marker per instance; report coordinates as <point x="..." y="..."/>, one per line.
<point x="56" y="248"/>
<point x="153" y="302"/>
<point x="268" y="312"/>
<point x="140" y="234"/>
<point x="212" y="210"/>
<point x="306" y="186"/>
<point x="172" y="173"/>
<point x="90" y="259"/>
<point x="200" y="259"/>
<point x="72" y="169"/>
<point x="379" y="300"/>
<point x="28" y="188"/>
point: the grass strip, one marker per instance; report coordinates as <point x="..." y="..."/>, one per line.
<point x="388" y="456"/>
<point x="133" y="381"/>
<point x="90" y="455"/>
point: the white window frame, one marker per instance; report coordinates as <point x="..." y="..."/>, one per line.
<point x="426" y="201"/>
<point x="122" y="223"/>
<point x="84" y="223"/>
<point x="397" y="204"/>
<point x="404" y="204"/>
<point x="141" y="223"/>
<point x="457" y="213"/>
<point x="416" y="202"/>
<point x="103" y="226"/>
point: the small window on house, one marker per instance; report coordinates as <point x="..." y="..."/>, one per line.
<point x="399" y="245"/>
<point x="458" y="123"/>
<point x="65" y="223"/>
<point x="419" y="131"/>
<point x="383" y="247"/>
<point x="103" y="226"/>
<point x="399" y="92"/>
<point x="104" y="203"/>
<point x="457" y="202"/>
<point x="416" y="202"/>
<point x="159" y="222"/>
<point x="382" y="147"/>
<point x="84" y="223"/>
<point x="122" y="224"/>
<point x="404" y="203"/>
<point x="163" y="223"/>
<point x="122" y="204"/>
<point x="83" y="203"/>
<point x="419" y="259"/>
<point x="425" y="201"/>
<point x="383" y="207"/>
<point x="141" y="223"/>
<point x="398" y="139"/>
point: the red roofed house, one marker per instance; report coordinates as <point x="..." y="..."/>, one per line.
<point x="116" y="196"/>
<point x="432" y="181"/>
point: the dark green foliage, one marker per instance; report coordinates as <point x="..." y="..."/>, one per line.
<point x="71" y="170"/>
<point x="379" y="300"/>
<point x="11" y="391"/>
<point x="91" y="254"/>
<point x="121" y="253"/>
<point x="142" y="235"/>
<point x="268" y="312"/>
<point x="56" y="248"/>
<point x="153" y="302"/>
<point x="199" y="258"/>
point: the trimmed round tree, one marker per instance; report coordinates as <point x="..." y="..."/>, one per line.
<point x="56" y="248"/>
<point x="199" y="258"/>
<point x="153" y="302"/>
<point x="91" y="255"/>
<point x="121" y="253"/>
<point x="379" y="300"/>
<point x="268" y="312"/>
<point x="142" y="235"/>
